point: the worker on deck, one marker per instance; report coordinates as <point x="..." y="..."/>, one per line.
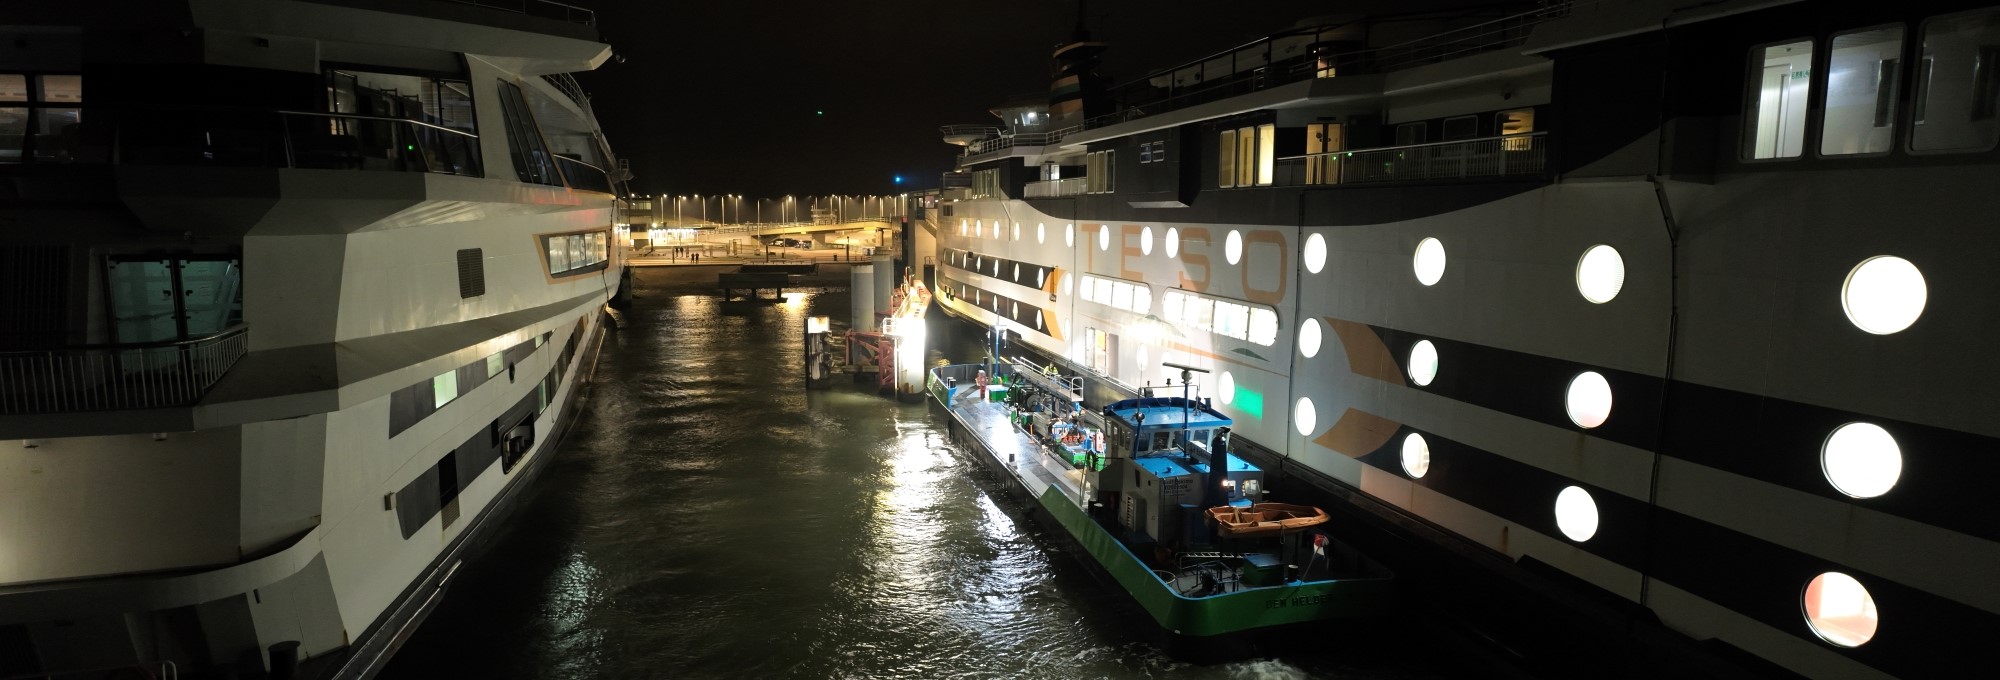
<point x="982" y="381"/>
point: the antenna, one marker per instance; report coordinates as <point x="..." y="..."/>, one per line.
<point x="1187" y="380"/>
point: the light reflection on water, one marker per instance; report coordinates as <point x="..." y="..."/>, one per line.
<point x="710" y="518"/>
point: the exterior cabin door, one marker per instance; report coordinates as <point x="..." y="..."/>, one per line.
<point x="1323" y="138"/>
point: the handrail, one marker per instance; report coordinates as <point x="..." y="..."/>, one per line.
<point x="117" y="377"/>
<point x="566" y="84"/>
<point x="1374" y="149"/>
<point x="232" y="330"/>
<point x="570" y="13"/>
<point x="1503" y="156"/>
<point x="385" y="119"/>
<point x="1052" y="188"/>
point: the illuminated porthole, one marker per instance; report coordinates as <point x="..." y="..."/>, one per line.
<point x="1069" y="235"/>
<point x="996" y="269"/>
<point x="1304" y="416"/>
<point x="1017" y="310"/>
<point x="1884" y="294"/>
<point x="1600" y="274"/>
<point x="1173" y="243"/>
<point x="961" y="227"/>
<point x="979" y="229"/>
<point x="1068" y="284"/>
<point x="1017" y="272"/>
<point x="1041" y="277"/>
<point x="1839" y="610"/>
<point x="1588" y="400"/>
<point x="1429" y="261"/>
<point x="1861" y="460"/>
<point x="1315" y="255"/>
<point x="1041" y="230"/>
<point x="1232" y="247"/>
<point x="1104" y="237"/>
<point x="1038" y="322"/>
<point x="1226" y="387"/>
<point x="1423" y="362"/>
<point x="1416" y="455"/>
<point x="1576" y="514"/>
<point x="1146" y="241"/>
<point x="1309" y="337"/>
<point x="1017" y="231"/>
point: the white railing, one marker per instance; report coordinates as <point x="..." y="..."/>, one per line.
<point x="1056" y="187"/>
<point x="117" y="377"/>
<point x="1006" y="141"/>
<point x="1523" y="154"/>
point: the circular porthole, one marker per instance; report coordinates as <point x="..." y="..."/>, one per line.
<point x="1017" y="231"/>
<point x="1600" y="274"/>
<point x="1309" y="337"/>
<point x="1225" y="387"/>
<point x="1069" y="235"/>
<point x="1576" y="514"/>
<point x="1861" y="460"/>
<point x="1146" y="241"/>
<point x="1304" y="417"/>
<point x="1232" y="247"/>
<point x="1016" y="310"/>
<point x="1839" y="610"/>
<point x="1884" y="294"/>
<point x="1173" y="243"/>
<point x="1416" y="455"/>
<point x="996" y="269"/>
<point x="1017" y="272"/>
<point x="979" y="229"/>
<point x="1588" y="400"/>
<point x="1315" y="255"/>
<point x="1423" y="362"/>
<point x="1429" y="261"/>
<point x="1067" y="284"/>
<point x="961" y="227"/>
<point x="1041" y="230"/>
<point x="1104" y="237"/>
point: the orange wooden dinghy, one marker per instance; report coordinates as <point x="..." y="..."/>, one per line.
<point x="1265" y="519"/>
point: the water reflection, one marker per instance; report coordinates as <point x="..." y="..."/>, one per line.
<point x="708" y="517"/>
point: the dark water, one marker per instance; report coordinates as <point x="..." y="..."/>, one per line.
<point x="708" y="517"/>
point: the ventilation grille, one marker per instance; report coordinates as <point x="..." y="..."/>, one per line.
<point x="471" y="273"/>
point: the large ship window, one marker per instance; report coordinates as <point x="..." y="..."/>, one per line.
<point x="1515" y="122"/>
<point x="1247" y="156"/>
<point x="1958" y="84"/>
<point x="41" y="119"/>
<point x="1461" y="127"/>
<point x="1097" y="173"/>
<point x="1775" y="117"/>
<point x="1409" y="134"/>
<point x="1863" y="69"/>
<point x="572" y="254"/>
<point x="368" y="133"/>
<point x="532" y="162"/>
<point x="172" y="298"/>
<point x="1226" y="159"/>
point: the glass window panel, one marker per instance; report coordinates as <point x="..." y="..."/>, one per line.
<point x="1410" y="133"/>
<point x="13" y="87"/>
<point x="1263" y="326"/>
<point x="1958" y="84"/>
<point x="1204" y="313"/>
<point x="1170" y="307"/>
<point x="13" y="130"/>
<point x="1121" y="295"/>
<point x="1246" y="156"/>
<point x="1142" y="299"/>
<point x="61" y="89"/>
<point x="56" y="134"/>
<point x="1226" y="159"/>
<point x="1861" y="79"/>
<point x="1267" y="139"/>
<point x="444" y="388"/>
<point x="558" y="255"/>
<point x="1776" y="114"/>
<point x="576" y="254"/>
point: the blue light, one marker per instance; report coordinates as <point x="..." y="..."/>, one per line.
<point x="899" y="179"/>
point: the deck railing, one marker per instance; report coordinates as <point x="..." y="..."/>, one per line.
<point x="117" y="377"/>
<point x="545" y="9"/>
<point x="1006" y="141"/>
<point x="1510" y="155"/>
<point x="584" y="176"/>
<point x="287" y="139"/>
<point x="1052" y="188"/>
<point x="566" y="84"/>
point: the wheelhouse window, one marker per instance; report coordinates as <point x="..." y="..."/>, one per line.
<point x="533" y="163"/>
<point x="1958" y="84"/>
<point x="41" y="120"/>
<point x="573" y="254"/>
<point x="390" y="121"/>
<point x="1781" y="77"/>
<point x="1863" y="70"/>
<point x="985" y="183"/>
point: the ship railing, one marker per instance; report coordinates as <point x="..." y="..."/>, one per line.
<point x="284" y="139"/>
<point x="1298" y="55"/>
<point x="1504" y="156"/>
<point x="944" y="379"/>
<point x="117" y="377"/>
<point x="1072" y="186"/>
<point x="584" y="176"/>
<point x="566" y="84"/>
<point x="538" y="8"/>
<point x="1006" y="140"/>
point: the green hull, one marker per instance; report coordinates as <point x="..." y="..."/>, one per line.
<point x="1219" y="614"/>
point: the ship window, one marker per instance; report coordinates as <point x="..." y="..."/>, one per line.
<point x="1958" y="84"/>
<point x="1315" y="253"/>
<point x="444" y="388"/>
<point x="1225" y="388"/>
<point x="1589" y="400"/>
<point x="1411" y="133"/>
<point x="47" y="125"/>
<point x="1840" y="610"/>
<point x="1861" y="460"/>
<point x="1226" y="159"/>
<point x="1097" y="173"/>
<point x="1173" y="243"/>
<point x="1884" y="294"/>
<point x="1600" y="274"/>
<point x="1267" y="144"/>
<point x="1309" y="338"/>
<point x="532" y="162"/>
<point x="1775" y="116"/>
<point x="1461" y="127"/>
<point x="1305" y="417"/>
<point x="572" y="254"/>
<point x="1146" y="241"/>
<point x="1429" y="261"/>
<point x="1576" y="514"/>
<point x="1862" y="73"/>
<point x="1416" y="455"/>
<point x="1423" y="363"/>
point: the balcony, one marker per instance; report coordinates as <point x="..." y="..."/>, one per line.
<point x="1053" y="188"/>
<point x="117" y="377"/>
<point x="1003" y="140"/>
<point x="1508" y="156"/>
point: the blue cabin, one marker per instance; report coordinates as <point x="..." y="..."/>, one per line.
<point x="1158" y="474"/>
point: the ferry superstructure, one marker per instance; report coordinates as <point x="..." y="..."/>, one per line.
<point x="300" y="296"/>
<point x="1672" y="314"/>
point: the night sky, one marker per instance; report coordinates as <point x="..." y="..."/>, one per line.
<point x="723" y="96"/>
